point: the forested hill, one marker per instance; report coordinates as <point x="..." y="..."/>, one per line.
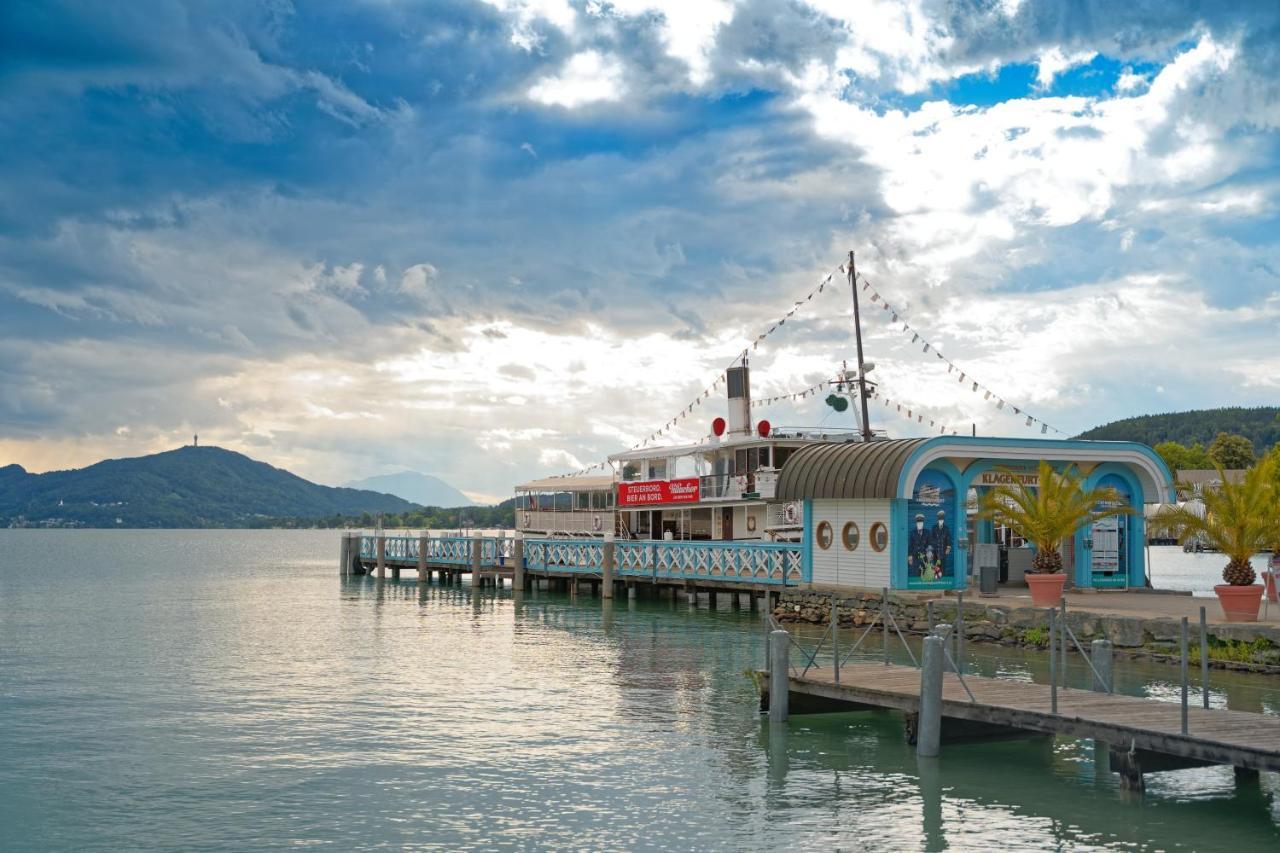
<point x="1260" y="425"/>
<point x="189" y="487"/>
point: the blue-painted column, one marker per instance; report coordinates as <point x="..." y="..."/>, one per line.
<point x="898" y="543"/>
<point x="806" y="543"/>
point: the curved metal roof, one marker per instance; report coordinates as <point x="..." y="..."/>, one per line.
<point x="846" y="470"/>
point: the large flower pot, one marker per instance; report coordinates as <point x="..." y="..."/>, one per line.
<point x="1046" y="590"/>
<point x="1240" y="603"/>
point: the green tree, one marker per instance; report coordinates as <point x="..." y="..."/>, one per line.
<point x="1050" y="511"/>
<point x="1239" y="519"/>
<point x="1179" y="457"/>
<point x="1232" y="451"/>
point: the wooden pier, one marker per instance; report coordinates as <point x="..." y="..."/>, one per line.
<point x="1127" y="723"/>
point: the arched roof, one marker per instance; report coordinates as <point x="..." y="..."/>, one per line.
<point x="847" y="470"/>
<point x="888" y="469"/>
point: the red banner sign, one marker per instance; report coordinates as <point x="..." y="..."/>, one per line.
<point x="659" y="492"/>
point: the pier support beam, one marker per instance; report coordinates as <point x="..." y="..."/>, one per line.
<point x="779" y="676"/>
<point x="424" y="543"/>
<point x="607" y="564"/>
<point x="382" y="555"/>
<point x="929" y="725"/>
<point x="477" y="546"/>
<point x="517" y="561"/>
<point x="1103" y="658"/>
<point x="344" y="558"/>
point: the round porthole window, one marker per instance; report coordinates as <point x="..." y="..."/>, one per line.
<point x="824" y="535"/>
<point x="849" y="535"/>
<point x="879" y="536"/>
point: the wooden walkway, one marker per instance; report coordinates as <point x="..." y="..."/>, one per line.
<point x="1238" y="738"/>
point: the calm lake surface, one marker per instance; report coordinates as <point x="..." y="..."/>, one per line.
<point x="224" y="690"/>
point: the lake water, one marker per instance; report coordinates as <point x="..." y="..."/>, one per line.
<point x="224" y="690"/>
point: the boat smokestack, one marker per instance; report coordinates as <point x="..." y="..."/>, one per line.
<point x="738" y="385"/>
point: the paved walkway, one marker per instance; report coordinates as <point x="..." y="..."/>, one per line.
<point x="1141" y="605"/>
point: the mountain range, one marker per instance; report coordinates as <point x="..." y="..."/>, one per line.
<point x="188" y="487"/>
<point x="419" y="488"/>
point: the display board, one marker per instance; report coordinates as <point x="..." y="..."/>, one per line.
<point x="931" y="524"/>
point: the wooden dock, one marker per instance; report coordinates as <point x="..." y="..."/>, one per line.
<point x="1145" y="735"/>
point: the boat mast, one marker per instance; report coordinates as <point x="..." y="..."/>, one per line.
<point x="857" y="329"/>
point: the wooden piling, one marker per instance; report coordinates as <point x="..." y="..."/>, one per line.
<point x="607" y="565"/>
<point x="382" y="555"/>
<point x="424" y="575"/>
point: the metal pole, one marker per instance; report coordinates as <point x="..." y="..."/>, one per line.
<point x="1204" y="658"/>
<point x="1053" y="660"/>
<point x="960" y="632"/>
<point x="929" y="607"/>
<point x="929" y="723"/>
<point x="608" y="561"/>
<point x="1184" y="674"/>
<point x="835" y="643"/>
<point x="884" y="621"/>
<point x="1062" y="642"/>
<point x="779" y="670"/>
<point x="857" y="329"/>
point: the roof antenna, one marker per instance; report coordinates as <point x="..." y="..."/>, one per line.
<point x="857" y="329"/>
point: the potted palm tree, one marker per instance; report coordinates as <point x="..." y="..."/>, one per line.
<point x="1240" y="520"/>
<point x="1045" y="514"/>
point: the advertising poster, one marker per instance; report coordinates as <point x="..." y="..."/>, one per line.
<point x="1109" y="561"/>
<point x="931" y="524"/>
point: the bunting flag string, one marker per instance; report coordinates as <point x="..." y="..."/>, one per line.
<point x="794" y="395"/>
<point x="952" y="368"/>
<point x="912" y="414"/>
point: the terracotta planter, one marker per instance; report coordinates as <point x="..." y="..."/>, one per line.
<point x="1046" y="590"/>
<point x="1240" y="603"/>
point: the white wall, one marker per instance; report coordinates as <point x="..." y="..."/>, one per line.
<point x="863" y="566"/>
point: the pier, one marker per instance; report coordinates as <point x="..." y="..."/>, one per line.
<point x="758" y="570"/>
<point x="941" y="703"/>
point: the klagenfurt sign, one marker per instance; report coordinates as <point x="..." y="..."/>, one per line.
<point x="1008" y="478"/>
<point x="659" y="492"/>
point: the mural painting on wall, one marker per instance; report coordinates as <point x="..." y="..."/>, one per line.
<point x="930" y="546"/>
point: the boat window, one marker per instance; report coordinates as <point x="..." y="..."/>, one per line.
<point x="879" y="536"/>
<point x="582" y="500"/>
<point x="781" y="455"/>
<point x="823" y="535"/>
<point x="849" y="535"/>
<point x="764" y="456"/>
<point x="657" y="469"/>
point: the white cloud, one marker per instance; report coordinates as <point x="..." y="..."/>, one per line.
<point x="1053" y="62"/>
<point x="417" y="279"/>
<point x="688" y="30"/>
<point x="588" y="77"/>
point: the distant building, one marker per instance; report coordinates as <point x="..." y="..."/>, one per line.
<point x="1192" y="480"/>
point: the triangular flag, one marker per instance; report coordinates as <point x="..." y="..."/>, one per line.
<point x="1044" y="428"/>
<point x="1029" y="421"/>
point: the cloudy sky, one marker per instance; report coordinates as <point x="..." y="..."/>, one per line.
<point x="497" y="240"/>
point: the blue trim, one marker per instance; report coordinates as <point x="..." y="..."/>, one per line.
<point x="898" y="543"/>
<point x="1137" y="533"/>
<point x="807" y="542"/>
<point x="1048" y="446"/>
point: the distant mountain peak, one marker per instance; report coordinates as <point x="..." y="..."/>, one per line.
<point x="415" y="486"/>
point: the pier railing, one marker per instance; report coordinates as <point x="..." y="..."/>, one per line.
<point x="769" y="563"/>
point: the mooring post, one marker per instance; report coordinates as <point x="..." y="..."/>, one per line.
<point x="779" y="675"/>
<point x="1185" y="683"/>
<point x="1053" y="660"/>
<point x="1204" y="659"/>
<point x="477" y="547"/>
<point x="1102" y="656"/>
<point x="607" y="564"/>
<point x="344" y="558"/>
<point x="943" y="632"/>
<point x="424" y="545"/>
<point x="517" y="561"/>
<point x="929" y="724"/>
<point x="382" y="555"/>
<point x="884" y="621"/>
<point x="835" y="640"/>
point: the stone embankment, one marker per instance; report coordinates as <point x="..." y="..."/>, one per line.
<point x="1242" y="646"/>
